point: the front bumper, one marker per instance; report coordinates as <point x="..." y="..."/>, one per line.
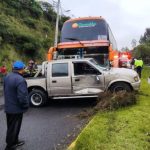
<point x="136" y="85"/>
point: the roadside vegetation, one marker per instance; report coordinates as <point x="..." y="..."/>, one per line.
<point x="143" y="49"/>
<point x="26" y="30"/>
<point x="125" y="128"/>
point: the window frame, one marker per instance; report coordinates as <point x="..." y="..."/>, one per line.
<point x="96" y="73"/>
<point x="52" y="75"/>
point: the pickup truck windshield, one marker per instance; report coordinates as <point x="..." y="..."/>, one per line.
<point x="93" y="61"/>
<point x="85" y="30"/>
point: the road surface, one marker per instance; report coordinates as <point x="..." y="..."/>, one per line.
<point x="49" y="128"/>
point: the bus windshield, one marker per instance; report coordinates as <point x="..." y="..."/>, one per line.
<point x="85" y="30"/>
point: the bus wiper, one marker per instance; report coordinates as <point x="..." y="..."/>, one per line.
<point x="74" y="39"/>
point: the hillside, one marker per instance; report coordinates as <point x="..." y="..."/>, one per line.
<point x="26" y="30"/>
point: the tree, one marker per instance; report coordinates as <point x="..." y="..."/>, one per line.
<point x="143" y="50"/>
<point x="146" y="37"/>
<point x="133" y="43"/>
<point x="48" y="10"/>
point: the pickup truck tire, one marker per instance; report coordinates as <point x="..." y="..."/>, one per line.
<point x="37" y="98"/>
<point x="120" y="86"/>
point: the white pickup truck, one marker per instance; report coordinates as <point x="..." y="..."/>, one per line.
<point x="78" y="78"/>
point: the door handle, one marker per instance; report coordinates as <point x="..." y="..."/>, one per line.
<point x="77" y="79"/>
<point x="54" y="81"/>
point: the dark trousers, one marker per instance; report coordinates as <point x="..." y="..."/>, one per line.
<point x="139" y="70"/>
<point x="14" y="122"/>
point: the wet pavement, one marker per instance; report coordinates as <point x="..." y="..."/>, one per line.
<point x="52" y="127"/>
<point x="1" y="97"/>
<point x="1" y="90"/>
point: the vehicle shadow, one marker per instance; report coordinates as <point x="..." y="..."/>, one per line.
<point x="81" y="103"/>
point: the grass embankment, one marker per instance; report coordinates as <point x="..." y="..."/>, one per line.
<point x="27" y="29"/>
<point x="124" y="129"/>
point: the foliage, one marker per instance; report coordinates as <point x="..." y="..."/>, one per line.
<point x="26" y="29"/>
<point x="8" y="54"/>
<point x="111" y="101"/>
<point x="30" y="6"/>
<point x="48" y="10"/>
<point x="146" y="37"/>
<point x="143" y="50"/>
<point x="31" y="23"/>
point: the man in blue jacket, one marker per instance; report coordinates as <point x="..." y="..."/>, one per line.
<point x="16" y="103"/>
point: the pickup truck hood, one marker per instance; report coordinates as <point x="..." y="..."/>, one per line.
<point x="120" y="74"/>
<point x="123" y="71"/>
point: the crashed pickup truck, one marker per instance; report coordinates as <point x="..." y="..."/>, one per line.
<point x="78" y="78"/>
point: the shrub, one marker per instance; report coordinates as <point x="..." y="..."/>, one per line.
<point x="47" y="42"/>
<point x="46" y="28"/>
<point x="31" y="23"/>
<point x="110" y="101"/>
<point x="36" y="11"/>
<point x="1" y="40"/>
<point x="28" y="45"/>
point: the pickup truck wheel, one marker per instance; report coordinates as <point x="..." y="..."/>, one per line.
<point x="37" y="98"/>
<point x="120" y="86"/>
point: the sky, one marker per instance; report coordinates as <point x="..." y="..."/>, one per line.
<point x="127" y="19"/>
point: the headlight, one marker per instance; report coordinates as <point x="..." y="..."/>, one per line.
<point x="136" y="78"/>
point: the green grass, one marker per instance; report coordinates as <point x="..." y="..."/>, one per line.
<point x="123" y="129"/>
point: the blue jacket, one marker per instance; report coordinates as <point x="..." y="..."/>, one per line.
<point x="15" y="93"/>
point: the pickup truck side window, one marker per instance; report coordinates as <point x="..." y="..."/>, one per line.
<point x="59" y="69"/>
<point x="82" y="68"/>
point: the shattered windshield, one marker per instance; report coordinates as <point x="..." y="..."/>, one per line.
<point x="93" y="61"/>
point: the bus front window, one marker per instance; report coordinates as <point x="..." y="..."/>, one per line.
<point x="85" y="30"/>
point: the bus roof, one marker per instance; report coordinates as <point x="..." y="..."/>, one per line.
<point x="85" y="18"/>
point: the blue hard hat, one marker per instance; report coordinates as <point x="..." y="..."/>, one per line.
<point x="18" y="65"/>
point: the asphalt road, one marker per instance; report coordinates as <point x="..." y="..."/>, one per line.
<point x="49" y="128"/>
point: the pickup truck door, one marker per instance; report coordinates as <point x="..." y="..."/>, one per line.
<point x="60" y="80"/>
<point x="86" y="77"/>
